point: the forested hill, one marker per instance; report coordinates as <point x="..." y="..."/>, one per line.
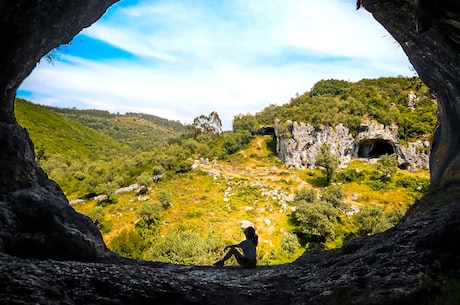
<point x="81" y="131"/>
<point x="406" y="102"/>
<point x="137" y="130"/>
<point x="55" y="134"/>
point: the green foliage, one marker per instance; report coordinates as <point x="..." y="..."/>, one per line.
<point x="144" y="179"/>
<point x="329" y="87"/>
<point x="97" y="216"/>
<point x="334" y="195"/>
<point x="210" y="124"/>
<point x="129" y="243"/>
<point x="317" y="221"/>
<point x="165" y="199"/>
<point x="246" y="123"/>
<point x="328" y="161"/>
<point x="305" y="195"/>
<point x="385" y="100"/>
<point x="150" y="214"/>
<point x="185" y="247"/>
<point x="374" y="219"/>
<point x="290" y="243"/>
<point x="387" y="165"/>
<point x="350" y="175"/>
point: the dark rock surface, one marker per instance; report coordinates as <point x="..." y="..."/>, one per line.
<point x="51" y="255"/>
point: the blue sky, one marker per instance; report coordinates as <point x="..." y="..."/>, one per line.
<point x="181" y="59"/>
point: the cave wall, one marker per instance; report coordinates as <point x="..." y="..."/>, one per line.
<point x="429" y="33"/>
<point x="36" y="219"/>
<point x="32" y="28"/>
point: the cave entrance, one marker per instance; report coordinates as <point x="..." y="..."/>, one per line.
<point x="374" y="148"/>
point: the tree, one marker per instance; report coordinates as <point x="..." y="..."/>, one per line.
<point x="317" y="220"/>
<point x="371" y="220"/>
<point x="290" y="243"/>
<point x="165" y="199"/>
<point x="246" y="123"/>
<point x="128" y="244"/>
<point x="150" y="213"/>
<point x="305" y="195"/>
<point x="328" y="161"/>
<point x="387" y="165"/>
<point x="144" y="179"/>
<point x="210" y="124"/>
<point x="334" y="195"/>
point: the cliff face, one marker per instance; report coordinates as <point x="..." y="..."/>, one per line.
<point x="299" y="146"/>
<point x="417" y="262"/>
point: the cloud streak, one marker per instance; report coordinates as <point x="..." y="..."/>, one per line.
<point x="178" y="60"/>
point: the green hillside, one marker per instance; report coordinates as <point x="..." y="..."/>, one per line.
<point x="54" y="134"/>
<point x="189" y="217"/>
<point x="195" y="184"/>
<point x="90" y="152"/>
<point x="139" y="131"/>
<point x="385" y="100"/>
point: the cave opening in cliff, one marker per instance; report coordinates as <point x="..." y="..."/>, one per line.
<point x="375" y="148"/>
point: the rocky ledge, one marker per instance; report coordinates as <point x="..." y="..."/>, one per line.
<point x="414" y="263"/>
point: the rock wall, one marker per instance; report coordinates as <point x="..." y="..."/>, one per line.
<point x="36" y="219"/>
<point x="429" y="33"/>
<point x="298" y="144"/>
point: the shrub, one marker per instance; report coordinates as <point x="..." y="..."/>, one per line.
<point x="185" y="247"/>
<point x="371" y="220"/>
<point x="306" y="195"/>
<point x="317" y="221"/>
<point x="290" y="243"/>
<point x="128" y="243"/>
<point x="334" y="195"/>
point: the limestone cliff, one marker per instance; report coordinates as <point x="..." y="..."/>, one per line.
<point x="298" y="144"/>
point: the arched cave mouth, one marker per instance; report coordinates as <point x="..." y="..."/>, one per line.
<point x="375" y="148"/>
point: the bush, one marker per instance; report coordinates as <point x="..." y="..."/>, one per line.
<point x="317" y="221"/>
<point x="306" y="195"/>
<point x="150" y="214"/>
<point x="97" y="216"/>
<point x="371" y="220"/>
<point x="128" y="244"/>
<point x="290" y="243"/>
<point x="334" y="195"/>
<point x="185" y="247"/>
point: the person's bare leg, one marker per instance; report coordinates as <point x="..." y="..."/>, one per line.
<point x="231" y="252"/>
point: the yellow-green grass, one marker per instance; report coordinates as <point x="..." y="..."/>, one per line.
<point x="238" y="190"/>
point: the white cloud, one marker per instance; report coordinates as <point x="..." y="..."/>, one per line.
<point x="232" y="57"/>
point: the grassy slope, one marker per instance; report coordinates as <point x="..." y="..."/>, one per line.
<point x="57" y="134"/>
<point x="131" y="130"/>
<point x="249" y="180"/>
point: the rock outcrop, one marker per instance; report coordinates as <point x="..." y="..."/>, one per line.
<point x="417" y="262"/>
<point x="298" y="144"/>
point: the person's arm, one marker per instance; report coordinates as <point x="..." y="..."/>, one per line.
<point x="230" y="246"/>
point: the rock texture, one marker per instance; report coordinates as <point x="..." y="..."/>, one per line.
<point x="35" y="217"/>
<point x="299" y="147"/>
<point x="44" y="243"/>
<point x="429" y="33"/>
